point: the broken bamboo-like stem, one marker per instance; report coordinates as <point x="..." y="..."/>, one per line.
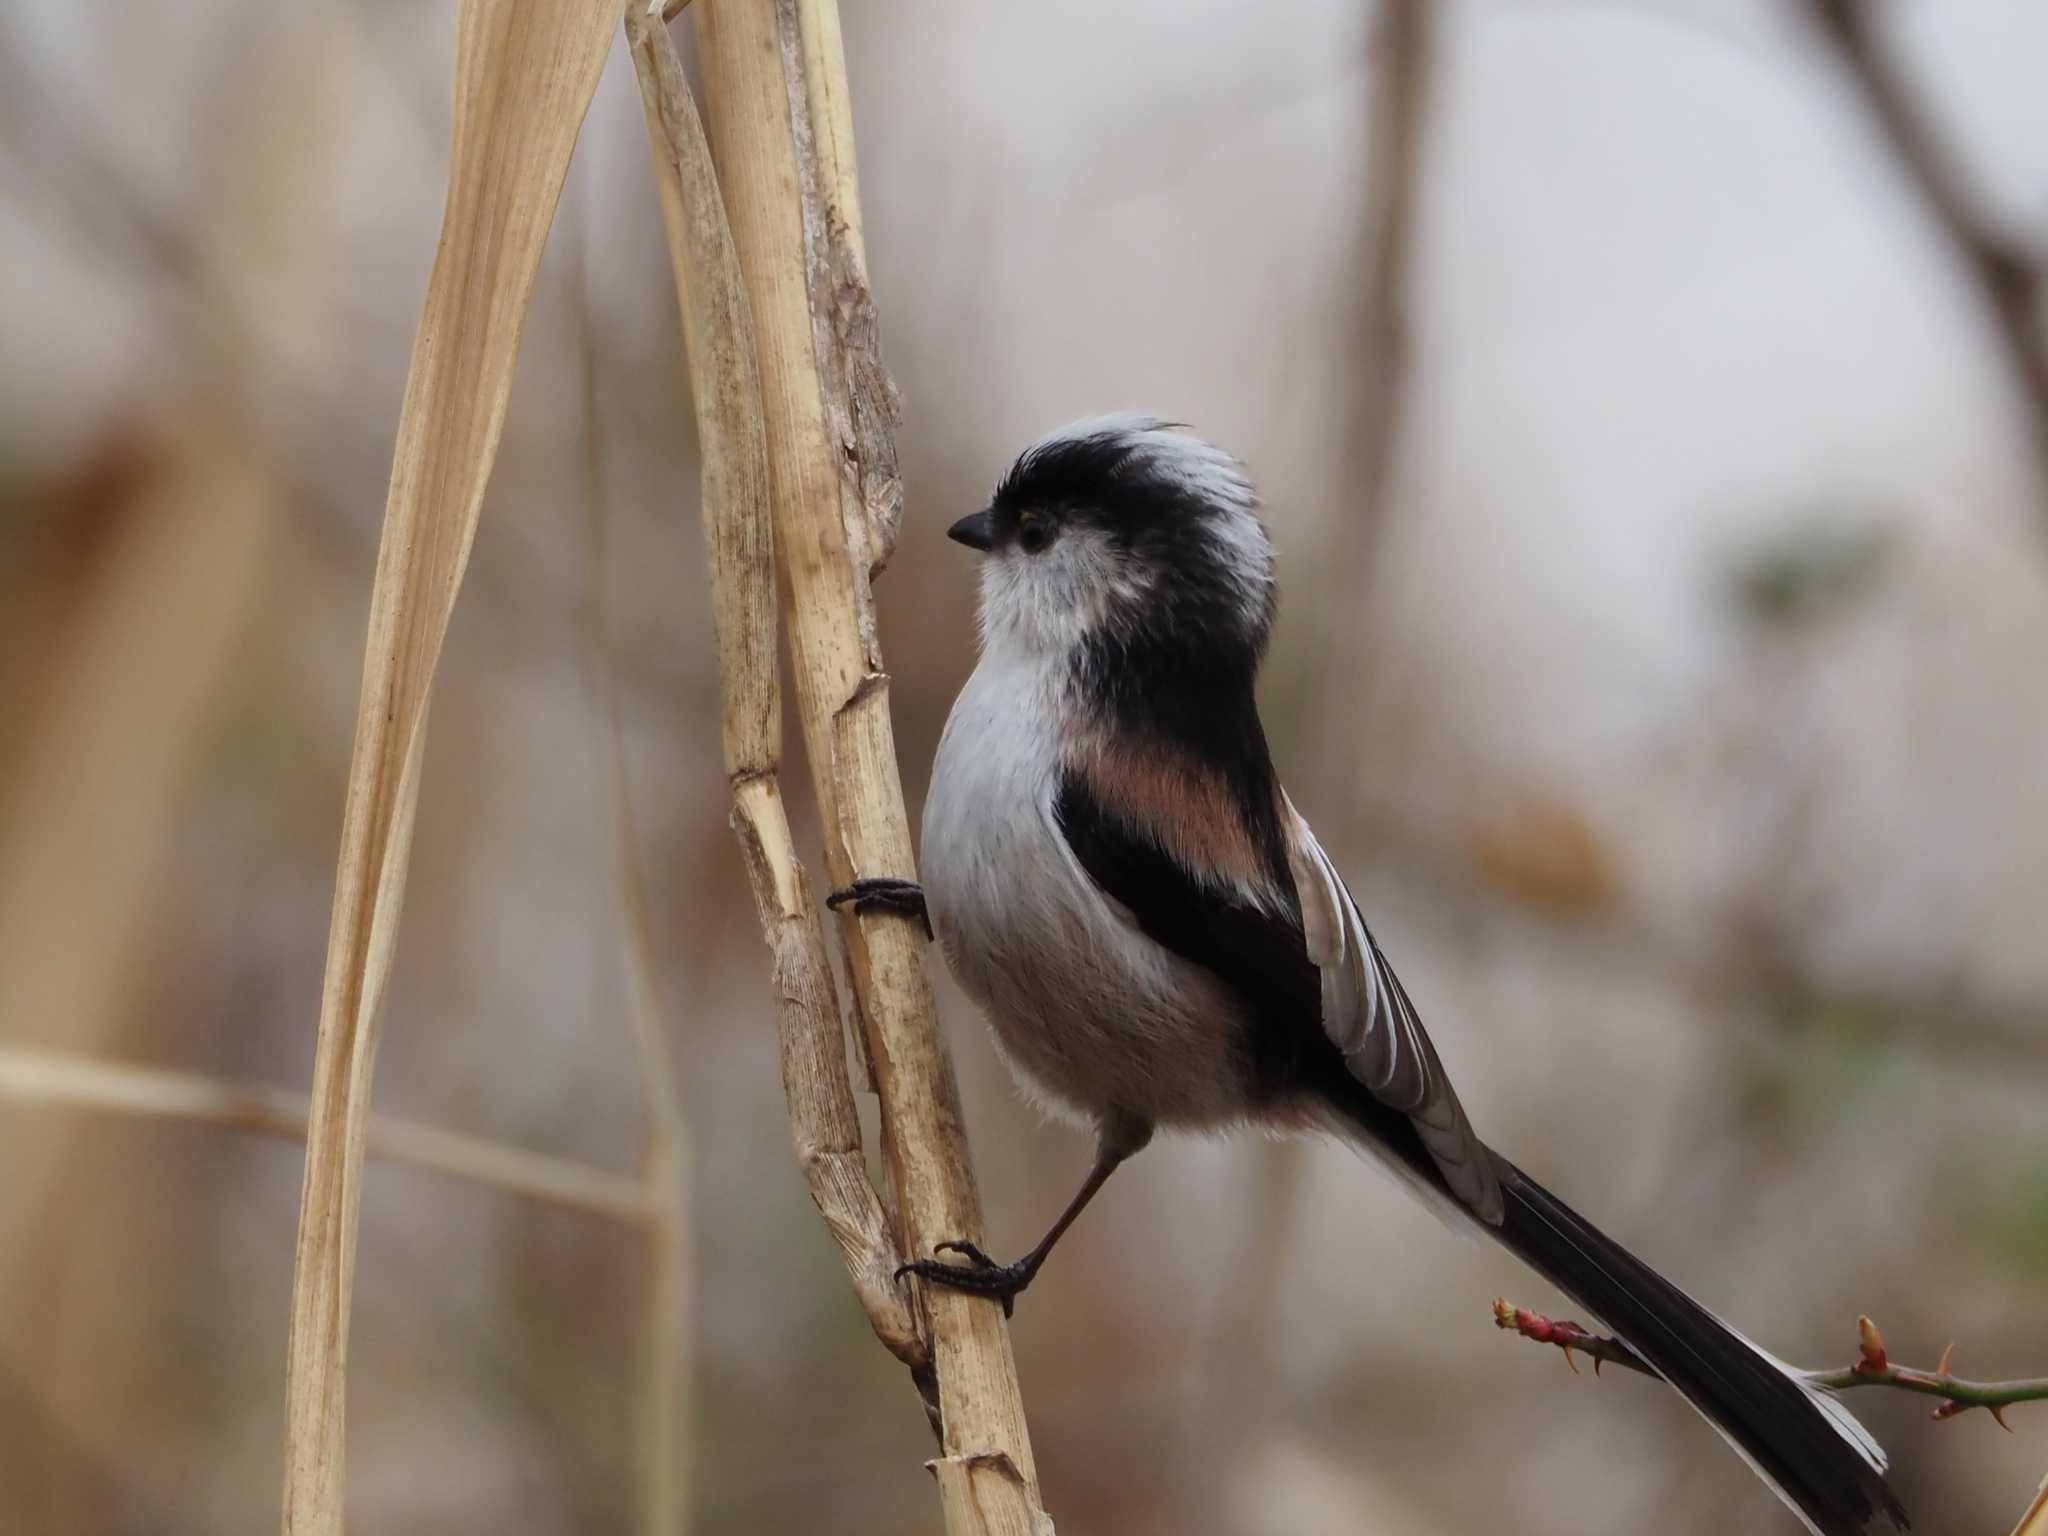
<point x="829" y="413"/>
<point x="739" y="538"/>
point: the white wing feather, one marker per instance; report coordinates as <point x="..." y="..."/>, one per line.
<point x="1369" y="1017"/>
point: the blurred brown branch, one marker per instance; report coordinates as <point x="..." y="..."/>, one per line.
<point x="2008" y="278"/>
<point x="1403" y="48"/>
<point x="1873" y="1367"/>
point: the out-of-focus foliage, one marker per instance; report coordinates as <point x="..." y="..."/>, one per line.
<point x="1706" y="822"/>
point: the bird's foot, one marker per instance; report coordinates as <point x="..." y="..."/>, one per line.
<point x="884" y="894"/>
<point x="979" y="1276"/>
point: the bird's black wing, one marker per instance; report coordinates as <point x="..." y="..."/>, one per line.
<point x="1262" y="909"/>
<point x="1246" y="933"/>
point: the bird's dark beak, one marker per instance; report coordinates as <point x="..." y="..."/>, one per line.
<point x="977" y="530"/>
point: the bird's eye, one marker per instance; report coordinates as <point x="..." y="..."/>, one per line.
<point x="1033" y="534"/>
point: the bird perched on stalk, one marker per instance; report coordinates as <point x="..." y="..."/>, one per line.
<point x="1158" y="939"/>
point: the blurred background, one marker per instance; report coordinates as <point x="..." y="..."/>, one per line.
<point x="1649" y="402"/>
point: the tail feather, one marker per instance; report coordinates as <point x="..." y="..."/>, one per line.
<point x="1806" y="1445"/>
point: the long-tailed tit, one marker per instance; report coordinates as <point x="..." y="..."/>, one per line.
<point x="1158" y="939"/>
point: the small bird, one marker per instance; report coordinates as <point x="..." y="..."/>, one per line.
<point x="1158" y="940"/>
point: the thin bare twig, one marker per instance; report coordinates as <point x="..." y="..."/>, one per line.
<point x="2007" y="277"/>
<point x="47" y="1077"/>
<point x="1403" y="48"/>
<point x="1873" y="1367"/>
<point x="665" y="1399"/>
<point x="1356" y="655"/>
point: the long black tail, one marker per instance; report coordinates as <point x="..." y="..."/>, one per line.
<point x="1806" y="1445"/>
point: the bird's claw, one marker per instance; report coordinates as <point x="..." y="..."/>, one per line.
<point x="884" y="893"/>
<point x="979" y="1276"/>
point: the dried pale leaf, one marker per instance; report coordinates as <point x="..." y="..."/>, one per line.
<point x="525" y="71"/>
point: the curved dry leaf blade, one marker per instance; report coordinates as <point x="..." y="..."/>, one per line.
<point x="525" y="71"/>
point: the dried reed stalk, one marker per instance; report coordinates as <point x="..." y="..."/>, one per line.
<point x="30" y="1076"/>
<point x="525" y="71"/>
<point x="2035" y="1521"/>
<point x="739" y="537"/>
<point x="667" y="1431"/>
<point x="665" y="1399"/>
<point x="774" y="74"/>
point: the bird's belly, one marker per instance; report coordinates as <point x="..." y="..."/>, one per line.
<point x="1086" y="1043"/>
<point x="1094" y="1017"/>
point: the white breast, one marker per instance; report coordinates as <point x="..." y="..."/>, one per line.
<point x="996" y="870"/>
<point x="1092" y="1014"/>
